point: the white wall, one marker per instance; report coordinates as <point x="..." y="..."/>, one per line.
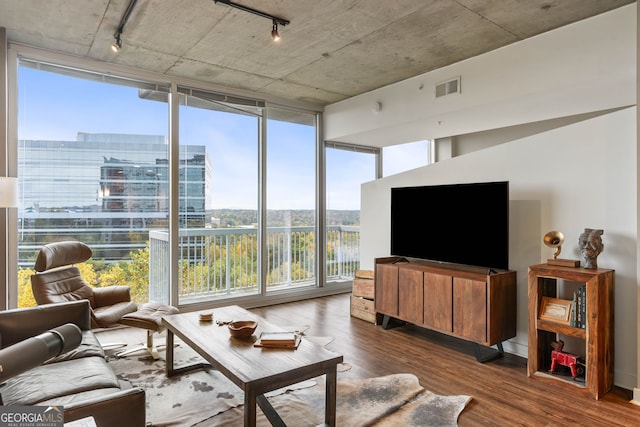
<point x="583" y="174"/>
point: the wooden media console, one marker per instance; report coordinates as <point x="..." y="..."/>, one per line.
<point x="475" y="304"/>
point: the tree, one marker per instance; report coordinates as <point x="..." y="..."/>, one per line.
<point x="25" y="294"/>
<point x="134" y="274"/>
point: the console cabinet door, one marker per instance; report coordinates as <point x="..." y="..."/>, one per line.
<point x="386" y="298"/>
<point x="438" y="302"/>
<point x="410" y="296"/>
<point x="470" y="309"/>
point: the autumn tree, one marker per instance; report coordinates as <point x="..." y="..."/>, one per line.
<point x="25" y="294"/>
<point x="134" y="273"/>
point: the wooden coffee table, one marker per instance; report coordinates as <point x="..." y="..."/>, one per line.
<point x="255" y="370"/>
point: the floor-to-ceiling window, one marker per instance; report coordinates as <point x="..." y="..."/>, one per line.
<point x="347" y="167"/>
<point x="290" y="199"/>
<point x="95" y="162"/>
<point x="92" y="160"/>
<point x="218" y="238"/>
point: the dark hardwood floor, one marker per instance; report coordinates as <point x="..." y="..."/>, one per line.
<point x="502" y="395"/>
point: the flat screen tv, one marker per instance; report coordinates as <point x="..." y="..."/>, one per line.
<point x="456" y="223"/>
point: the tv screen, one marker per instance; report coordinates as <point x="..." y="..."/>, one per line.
<point x="456" y="223"/>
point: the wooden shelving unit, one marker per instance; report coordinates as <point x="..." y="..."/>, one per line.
<point x="597" y="336"/>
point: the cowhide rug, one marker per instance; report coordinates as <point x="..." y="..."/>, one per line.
<point x="390" y="401"/>
<point x="180" y="400"/>
<point x="186" y="399"/>
<point x="207" y="398"/>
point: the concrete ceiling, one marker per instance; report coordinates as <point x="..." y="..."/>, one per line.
<point x="331" y="50"/>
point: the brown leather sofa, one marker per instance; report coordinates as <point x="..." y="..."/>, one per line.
<point x="80" y="380"/>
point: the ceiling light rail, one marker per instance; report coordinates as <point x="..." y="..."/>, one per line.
<point x="117" y="45"/>
<point x="275" y="35"/>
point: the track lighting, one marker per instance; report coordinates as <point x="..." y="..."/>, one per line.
<point x="274" y="32"/>
<point x="117" y="45"/>
<point x="275" y="35"/>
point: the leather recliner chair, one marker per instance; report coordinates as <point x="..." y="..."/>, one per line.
<point x="58" y="280"/>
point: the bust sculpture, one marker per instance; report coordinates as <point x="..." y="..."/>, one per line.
<point x="590" y="245"/>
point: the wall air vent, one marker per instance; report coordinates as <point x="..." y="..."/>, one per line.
<point x="447" y="88"/>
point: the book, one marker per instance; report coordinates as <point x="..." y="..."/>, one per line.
<point x="579" y="308"/>
<point x="278" y="340"/>
<point x="580" y="299"/>
<point x="583" y="307"/>
<point x="278" y="337"/>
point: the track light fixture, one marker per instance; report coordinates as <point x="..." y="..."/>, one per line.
<point x="276" y="21"/>
<point x="274" y="32"/>
<point x="117" y="44"/>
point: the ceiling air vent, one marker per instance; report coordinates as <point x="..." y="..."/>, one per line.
<point x="448" y="87"/>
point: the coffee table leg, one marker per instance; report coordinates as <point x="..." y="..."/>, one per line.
<point x="169" y="368"/>
<point x="169" y="354"/>
<point x="249" y="408"/>
<point x="330" y="397"/>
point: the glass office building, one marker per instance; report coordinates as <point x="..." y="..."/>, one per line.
<point x="107" y="190"/>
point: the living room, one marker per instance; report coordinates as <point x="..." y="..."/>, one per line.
<point x="559" y="123"/>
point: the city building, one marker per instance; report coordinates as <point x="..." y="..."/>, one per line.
<point x="107" y="189"/>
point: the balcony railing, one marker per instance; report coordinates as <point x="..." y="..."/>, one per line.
<point x="224" y="261"/>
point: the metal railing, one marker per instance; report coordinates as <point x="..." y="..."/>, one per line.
<point x="217" y="262"/>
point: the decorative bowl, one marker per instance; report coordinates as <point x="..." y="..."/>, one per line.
<point x="242" y="328"/>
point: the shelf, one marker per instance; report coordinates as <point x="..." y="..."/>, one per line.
<point x="597" y="338"/>
<point x="551" y="326"/>
<point x="564" y="379"/>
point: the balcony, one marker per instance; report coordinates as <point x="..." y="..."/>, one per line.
<point x="221" y="262"/>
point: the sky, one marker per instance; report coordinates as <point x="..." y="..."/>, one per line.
<point x="56" y="107"/>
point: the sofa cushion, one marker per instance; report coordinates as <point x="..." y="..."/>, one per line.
<point x="51" y="381"/>
<point x="21" y="323"/>
<point x="71" y="399"/>
<point x="89" y="347"/>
